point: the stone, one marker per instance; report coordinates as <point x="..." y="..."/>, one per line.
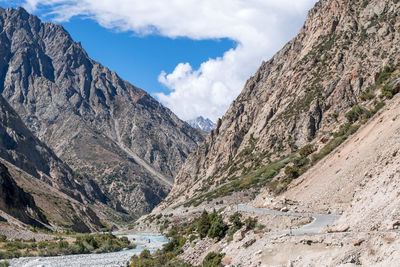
<point x="395" y="224"/>
<point x="284" y="209"/>
<point x="226" y="260"/>
<point x="238" y="236"/>
<point x="358" y="242"/>
<point x="249" y="243"/>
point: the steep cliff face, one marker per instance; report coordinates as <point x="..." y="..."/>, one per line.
<point x="21" y="148"/>
<point x="31" y="165"/>
<point x="100" y="125"/>
<point x="300" y="96"/>
<point x="18" y="203"/>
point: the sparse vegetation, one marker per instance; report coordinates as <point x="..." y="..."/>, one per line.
<point x="207" y="224"/>
<point x="255" y="179"/>
<point x="168" y="255"/>
<point x="307" y="150"/>
<point x="250" y="223"/>
<point x="356" y="113"/>
<point x="367" y="95"/>
<point x="83" y="244"/>
<point x="213" y="259"/>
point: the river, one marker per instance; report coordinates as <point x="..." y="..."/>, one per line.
<point x="151" y="242"/>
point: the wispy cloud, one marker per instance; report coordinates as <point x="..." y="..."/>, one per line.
<point x="260" y="28"/>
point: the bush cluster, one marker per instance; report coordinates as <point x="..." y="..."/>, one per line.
<point x="258" y="178"/>
<point x="166" y="256"/>
<point x="213" y="259"/>
<point x="83" y="244"/>
<point x="211" y="225"/>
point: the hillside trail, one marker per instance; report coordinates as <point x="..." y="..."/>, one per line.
<point x="320" y="221"/>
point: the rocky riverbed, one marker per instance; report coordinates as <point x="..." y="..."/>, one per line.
<point x="151" y="242"/>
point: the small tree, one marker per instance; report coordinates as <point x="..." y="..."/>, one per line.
<point x="306" y="150"/>
<point x="145" y="254"/>
<point x="218" y="228"/>
<point x="292" y="172"/>
<point x="203" y="225"/>
<point x="250" y="223"/>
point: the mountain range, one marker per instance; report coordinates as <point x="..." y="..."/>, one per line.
<point x="300" y="171"/>
<point x="77" y="126"/>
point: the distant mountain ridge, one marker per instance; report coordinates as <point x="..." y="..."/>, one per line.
<point x="201" y="123"/>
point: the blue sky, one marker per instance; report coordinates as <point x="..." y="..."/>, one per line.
<point x="140" y="60"/>
<point x="137" y="59"/>
<point x="194" y="56"/>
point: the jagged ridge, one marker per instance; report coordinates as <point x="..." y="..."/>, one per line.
<point x="93" y="120"/>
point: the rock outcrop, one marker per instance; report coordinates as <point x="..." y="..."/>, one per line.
<point x="33" y="165"/>
<point x="17" y="203"/>
<point x="21" y="148"/>
<point x="100" y="125"/>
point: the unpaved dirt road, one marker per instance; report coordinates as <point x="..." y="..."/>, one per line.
<point x="316" y="226"/>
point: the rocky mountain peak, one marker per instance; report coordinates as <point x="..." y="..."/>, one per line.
<point x="201" y="123"/>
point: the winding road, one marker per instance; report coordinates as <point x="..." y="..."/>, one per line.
<point x="316" y="226"/>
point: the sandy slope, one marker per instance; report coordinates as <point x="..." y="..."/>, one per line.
<point x="361" y="177"/>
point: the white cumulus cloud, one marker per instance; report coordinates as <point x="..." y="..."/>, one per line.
<point x="259" y="27"/>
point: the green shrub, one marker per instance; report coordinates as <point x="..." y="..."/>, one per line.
<point x="218" y="228"/>
<point x="292" y="172"/>
<point x="212" y="259"/>
<point x="235" y="219"/>
<point x="389" y="90"/>
<point x="145" y="254"/>
<point x="385" y="74"/>
<point x="367" y="95"/>
<point x="378" y="106"/>
<point x="356" y="113"/>
<point x="300" y="162"/>
<point x="62" y="244"/>
<point x="4" y="264"/>
<point x="174" y="244"/>
<point x="250" y="223"/>
<point x="307" y="150"/>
